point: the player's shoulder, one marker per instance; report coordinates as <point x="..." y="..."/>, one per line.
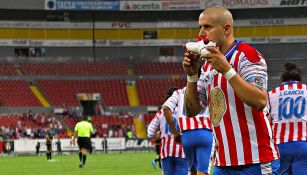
<point x="176" y="92"/>
<point x="181" y="90"/>
<point x="277" y="89"/>
<point x="272" y="91"/>
<point x="303" y="85"/>
<point x="158" y="113"/>
<point x="79" y="123"/>
<point x="250" y="52"/>
<point x="90" y="125"/>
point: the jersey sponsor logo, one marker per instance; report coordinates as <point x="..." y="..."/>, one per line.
<point x="217" y="106"/>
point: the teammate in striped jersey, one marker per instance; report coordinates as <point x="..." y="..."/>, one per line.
<point x="196" y="133"/>
<point x="171" y="153"/>
<point x="287" y="104"/>
<point x="233" y="84"/>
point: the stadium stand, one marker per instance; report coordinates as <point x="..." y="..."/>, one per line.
<point x="104" y="123"/>
<point x="34" y="126"/>
<point x="73" y="69"/>
<point x="157" y="68"/>
<point x="16" y="93"/>
<point x="7" y="69"/>
<point x="64" y="91"/>
<point x="151" y="91"/>
<point x="275" y="65"/>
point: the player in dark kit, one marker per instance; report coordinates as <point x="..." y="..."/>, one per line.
<point x="49" y="145"/>
<point x="37" y="147"/>
<point x="157" y="146"/>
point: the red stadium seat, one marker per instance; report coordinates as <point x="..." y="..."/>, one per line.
<point x="7" y="69"/>
<point x="61" y="92"/>
<point x="152" y="92"/>
<point x="168" y="68"/>
<point x="71" y="69"/>
<point x="17" y="93"/>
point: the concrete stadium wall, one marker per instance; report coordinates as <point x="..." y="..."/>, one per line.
<point x="270" y="51"/>
<point x="23" y="5"/>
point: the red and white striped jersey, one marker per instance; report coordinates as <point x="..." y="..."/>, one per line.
<point x="243" y="134"/>
<point x="168" y="147"/>
<point x="176" y="104"/>
<point x="287" y="105"/>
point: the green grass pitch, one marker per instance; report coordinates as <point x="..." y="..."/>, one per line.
<point x="97" y="164"/>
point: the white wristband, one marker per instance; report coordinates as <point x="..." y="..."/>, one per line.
<point x="192" y="79"/>
<point x="231" y="73"/>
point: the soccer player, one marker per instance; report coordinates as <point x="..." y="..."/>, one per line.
<point x="83" y="131"/>
<point x="233" y="83"/>
<point x="171" y="153"/>
<point x="287" y="104"/>
<point x="196" y="133"/>
<point x="58" y="145"/>
<point x="157" y="140"/>
<point x="48" y="138"/>
<point x="37" y="147"/>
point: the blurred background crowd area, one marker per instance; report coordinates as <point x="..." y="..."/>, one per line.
<point x="31" y="125"/>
